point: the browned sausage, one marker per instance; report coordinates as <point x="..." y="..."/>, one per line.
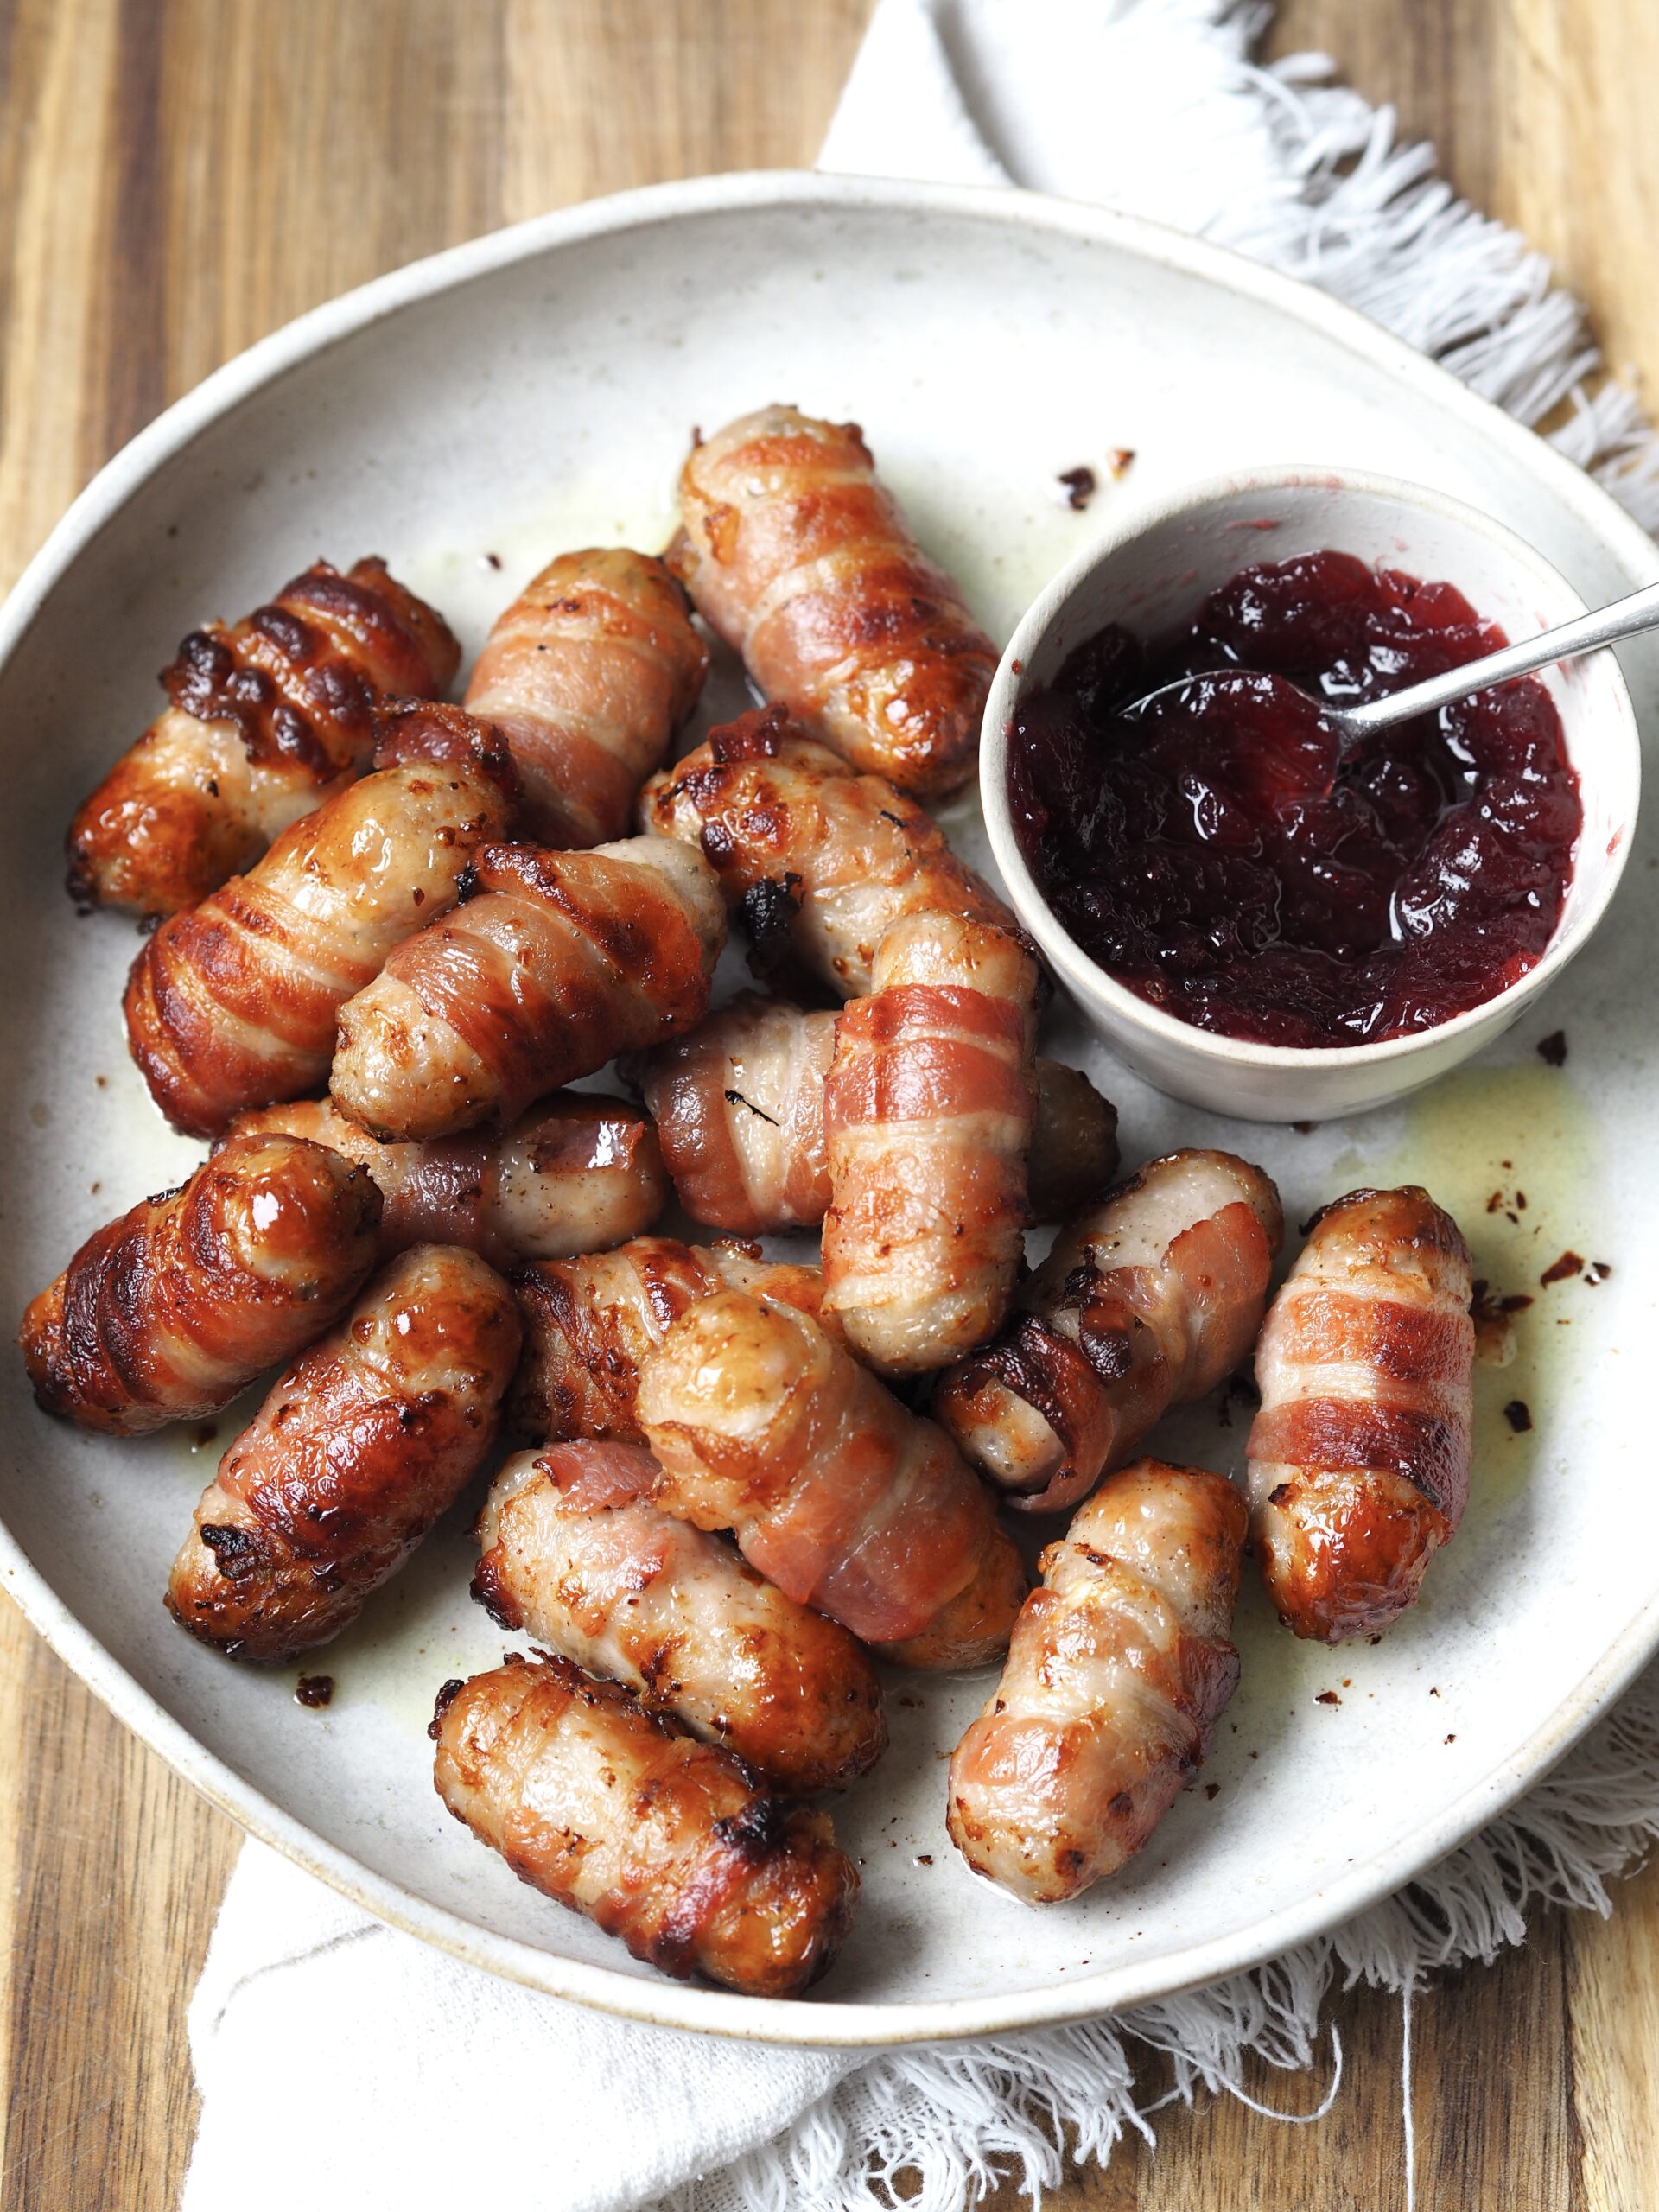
<point x="764" y="1425"/>
<point x="575" y="1552"/>
<point x="578" y="1172"/>
<point x="357" y="1450"/>
<point x="232" y="1003"/>
<point x="562" y="961"/>
<point x="801" y="560"/>
<point x="266" y="721"/>
<point x="165" y="1314"/>
<point x="589" y="672"/>
<point x="1360" y="1455"/>
<point x="817" y="862"/>
<point x="660" y="1840"/>
<point x="589" y="1322"/>
<point x="1118" y="1671"/>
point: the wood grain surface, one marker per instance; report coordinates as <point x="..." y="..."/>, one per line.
<point x="178" y="177"/>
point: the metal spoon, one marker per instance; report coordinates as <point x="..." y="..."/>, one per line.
<point x="1625" y="617"/>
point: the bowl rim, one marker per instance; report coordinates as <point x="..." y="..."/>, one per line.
<point x="647" y="1997"/>
<point x="1096" y="988"/>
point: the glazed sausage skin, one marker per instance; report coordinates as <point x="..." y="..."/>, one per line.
<point x="575" y="1552"/>
<point x="589" y="1322"/>
<point x="266" y="721"/>
<point x="662" y="1840"/>
<point x="1360" y="1454"/>
<point x="555" y="962"/>
<point x="232" y="1003"/>
<point x="1119" y="1668"/>
<point x="739" y="1108"/>
<point x="1148" y="1299"/>
<point x="928" y="1111"/>
<point x="357" y="1450"/>
<point x="589" y="674"/>
<point x="165" y="1314"/>
<point x="800" y="559"/>
<point x="578" y="1172"/>
<point x="817" y="862"/>
<point x="763" y="1424"/>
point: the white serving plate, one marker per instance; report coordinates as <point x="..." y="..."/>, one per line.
<point x="533" y="392"/>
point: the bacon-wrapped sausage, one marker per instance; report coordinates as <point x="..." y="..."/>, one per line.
<point x="660" y="1840"/>
<point x="1149" y="1299"/>
<point x="928" y="1112"/>
<point x="800" y="558"/>
<point x="1359" y="1456"/>
<point x="739" y="1108"/>
<point x="589" y="1322"/>
<point x="1119" y="1668"/>
<point x="577" y="1173"/>
<point x="232" y="1003"/>
<point x="562" y="961"/>
<point x="575" y="1552"/>
<point x="267" y="720"/>
<point x="588" y="673"/>
<point x="817" y="862"/>
<point x="766" y="1425"/>
<point x="358" y="1449"/>
<point x="165" y="1314"/>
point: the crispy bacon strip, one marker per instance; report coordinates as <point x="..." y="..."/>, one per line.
<point x="1149" y="1299"/>
<point x="577" y="1173"/>
<point x="232" y="1003"/>
<point x="588" y="673"/>
<point x="739" y="1107"/>
<point x="589" y="1322"/>
<point x="801" y="561"/>
<point x="165" y="1314"/>
<point x="660" y="1840"/>
<point x="1360" y="1455"/>
<point x="562" y="961"/>
<point x="817" y="862"/>
<point x="575" y="1552"/>
<point x="928" y="1114"/>
<point x="266" y="721"/>
<point x="357" y="1450"/>
<point x="766" y="1425"/>
<point x="1119" y="1668"/>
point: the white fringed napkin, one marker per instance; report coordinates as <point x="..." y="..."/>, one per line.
<point x="425" y="2083"/>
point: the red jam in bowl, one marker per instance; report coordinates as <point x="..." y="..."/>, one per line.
<point x="1218" y="855"/>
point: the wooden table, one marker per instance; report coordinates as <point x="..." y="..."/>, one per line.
<point x="178" y="177"/>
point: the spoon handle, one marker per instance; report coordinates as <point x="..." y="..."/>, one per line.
<point x="1605" y="626"/>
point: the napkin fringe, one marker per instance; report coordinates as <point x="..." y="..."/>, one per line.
<point x="1279" y="162"/>
<point x="959" y="2119"/>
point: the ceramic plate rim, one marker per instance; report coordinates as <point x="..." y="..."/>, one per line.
<point x="663" y="2003"/>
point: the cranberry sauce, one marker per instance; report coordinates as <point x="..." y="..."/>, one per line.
<point x="1220" y="857"/>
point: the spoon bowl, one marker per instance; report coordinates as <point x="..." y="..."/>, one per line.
<point x="1149" y="574"/>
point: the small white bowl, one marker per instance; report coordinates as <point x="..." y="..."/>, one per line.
<point x="1150" y="574"/>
